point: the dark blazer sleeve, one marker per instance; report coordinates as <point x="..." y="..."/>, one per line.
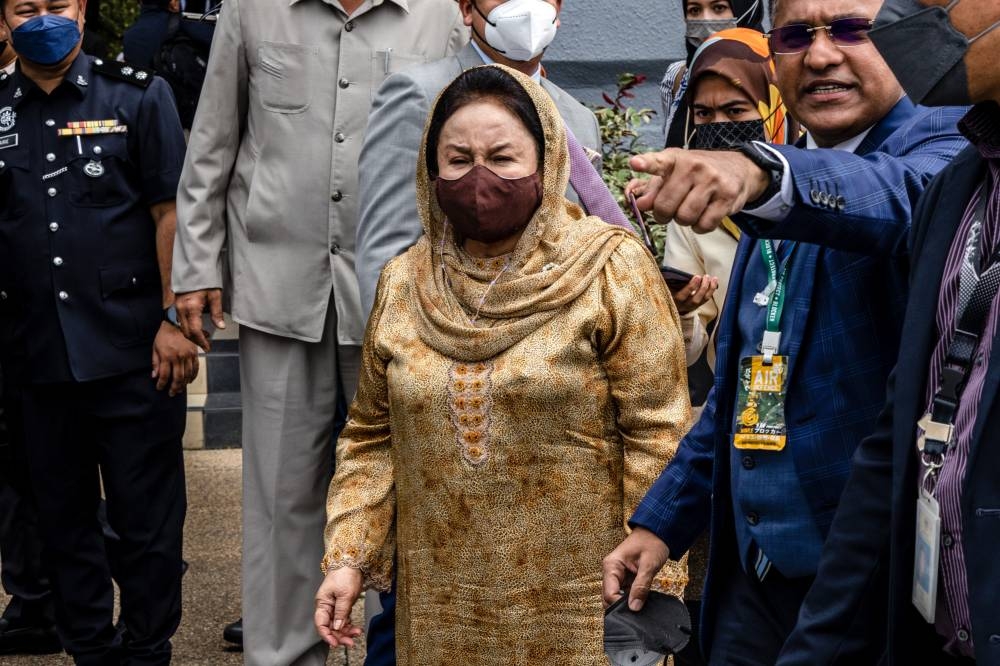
<point x="850" y="589"/>
<point x="678" y="506"/>
<point x="878" y="190"/>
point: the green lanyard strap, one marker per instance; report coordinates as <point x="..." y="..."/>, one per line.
<point x="777" y="287"/>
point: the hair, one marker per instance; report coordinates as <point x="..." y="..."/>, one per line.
<point x="480" y="84"/>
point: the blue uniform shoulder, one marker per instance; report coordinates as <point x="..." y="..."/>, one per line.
<point x="122" y="71"/>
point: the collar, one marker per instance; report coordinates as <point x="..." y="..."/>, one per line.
<point x="402" y="4"/>
<point x="981" y="126"/>
<point x="9" y="69"/>
<point x="77" y="78"/>
<point x="536" y="77"/>
<point x="850" y="146"/>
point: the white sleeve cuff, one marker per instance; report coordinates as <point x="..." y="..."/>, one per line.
<point x="779" y="206"/>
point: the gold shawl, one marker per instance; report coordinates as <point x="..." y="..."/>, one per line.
<point x="558" y="256"/>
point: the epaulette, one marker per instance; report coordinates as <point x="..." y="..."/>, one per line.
<point x="124" y="72"/>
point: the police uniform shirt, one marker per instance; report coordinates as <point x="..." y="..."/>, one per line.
<point x="80" y="289"/>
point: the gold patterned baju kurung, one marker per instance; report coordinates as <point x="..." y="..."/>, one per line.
<point x="498" y="445"/>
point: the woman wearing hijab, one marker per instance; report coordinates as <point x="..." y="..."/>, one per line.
<point x="733" y="100"/>
<point x="702" y="19"/>
<point x="523" y="383"/>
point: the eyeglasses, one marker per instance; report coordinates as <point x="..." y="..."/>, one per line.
<point x="798" y="37"/>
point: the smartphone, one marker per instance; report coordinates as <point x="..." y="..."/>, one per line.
<point x="675" y="277"/>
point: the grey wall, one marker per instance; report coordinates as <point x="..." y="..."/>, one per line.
<point x="600" y="39"/>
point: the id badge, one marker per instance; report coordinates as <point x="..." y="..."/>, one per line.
<point x="760" y="405"/>
<point x="926" y="556"/>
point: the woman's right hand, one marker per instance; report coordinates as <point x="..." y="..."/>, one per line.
<point x="334" y="601"/>
<point x="695" y="294"/>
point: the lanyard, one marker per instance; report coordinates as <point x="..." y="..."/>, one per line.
<point x="939" y="425"/>
<point x="776" y="287"/>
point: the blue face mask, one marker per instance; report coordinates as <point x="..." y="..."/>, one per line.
<point x="45" y="39"/>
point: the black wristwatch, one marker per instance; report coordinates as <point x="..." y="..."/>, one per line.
<point x="170" y="316"/>
<point x="767" y="161"/>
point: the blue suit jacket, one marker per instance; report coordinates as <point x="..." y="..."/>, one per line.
<point x="842" y="322"/>
<point x="866" y="571"/>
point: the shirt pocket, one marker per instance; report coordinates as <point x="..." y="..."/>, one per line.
<point x="14" y="178"/>
<point x="99" y="171"/>
<point x="390" y="61"/>
<point x="284" y="73"/>
<point x="131" y="298"/>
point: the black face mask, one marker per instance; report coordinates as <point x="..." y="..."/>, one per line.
<point x="728" y="135"/>
<point x="934" y="76"/>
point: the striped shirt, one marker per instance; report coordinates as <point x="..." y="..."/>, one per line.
<point x="982" y="127"/>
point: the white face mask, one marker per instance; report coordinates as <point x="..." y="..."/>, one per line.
<point x="520" y="29"/>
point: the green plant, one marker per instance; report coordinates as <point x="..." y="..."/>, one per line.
<point x="116" y="15"/>
<point x="620" y="140"/>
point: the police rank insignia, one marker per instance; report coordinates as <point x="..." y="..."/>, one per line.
<point x="7" y="119"/>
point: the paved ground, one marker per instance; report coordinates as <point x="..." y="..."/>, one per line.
<point x="211" y="586"/>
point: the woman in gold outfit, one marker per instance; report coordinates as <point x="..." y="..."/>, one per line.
<point x="523" y="384"/>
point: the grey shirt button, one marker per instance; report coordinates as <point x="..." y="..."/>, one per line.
<point x="63" y="296"/>
<point x="963" y="635"/>
<point x="336" y="196"/>
<point x="53" y="191"/>
<point x="335" y="248"/>
<point x="57" y="261"/>
<point x="51" y="157"/>
<point x="50" y="123"/>
<point x="349" y="26"/>
<point x="339" y="137"/>
<point x="53" y="227"/>
<point x="814" y="195"/>
<point x="343" y="83"/>
<point x="98" y="150"/>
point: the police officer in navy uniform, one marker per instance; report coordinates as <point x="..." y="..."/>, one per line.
<point x="90" y="155"/>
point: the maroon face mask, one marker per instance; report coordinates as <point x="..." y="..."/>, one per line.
<point x="484" y="207"/>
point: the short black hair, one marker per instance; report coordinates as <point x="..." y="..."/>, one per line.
<point x="482" y="83"/>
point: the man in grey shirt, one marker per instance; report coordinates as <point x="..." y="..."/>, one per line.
<point x="271" y="173"/>
<point x="388" y="168"/>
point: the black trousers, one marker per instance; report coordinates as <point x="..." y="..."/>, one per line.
<point x="20" y="546"/>
<point x="755" y="618"/>
<point x="125" y="435"/>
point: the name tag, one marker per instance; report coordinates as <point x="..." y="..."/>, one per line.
<point x="8" y="141"/>
<point x="926" y="557"/>
<point x="760" y="405"/>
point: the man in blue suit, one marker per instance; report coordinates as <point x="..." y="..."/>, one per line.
<point x="934" y="453"/>
<point x="809" y="331"/>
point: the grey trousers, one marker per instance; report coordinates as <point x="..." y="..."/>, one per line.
<point x="290" y="390"/>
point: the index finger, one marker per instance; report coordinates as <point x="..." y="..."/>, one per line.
<point x="192" y="328"/>
<point x="613" y="582"/>
<point x="660" y="164"/>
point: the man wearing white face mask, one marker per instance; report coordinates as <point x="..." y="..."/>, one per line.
<point x="513" y="33"/>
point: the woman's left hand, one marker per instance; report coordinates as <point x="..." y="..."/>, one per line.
<point x="334" y="601"/>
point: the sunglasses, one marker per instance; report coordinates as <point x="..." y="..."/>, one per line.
<point x="798" y="37"/>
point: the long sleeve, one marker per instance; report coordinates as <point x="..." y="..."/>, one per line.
<point x="878" y="191"/>
<point x="851" y="585"/>
<point x="361" y="505"/>
<point x="211" y="155"/>
<point x="642" y="353"/>
<point x="681" y="251"/>
<point x="388" y="222"/>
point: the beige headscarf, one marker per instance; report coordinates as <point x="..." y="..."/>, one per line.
<point x="470" y="314"/>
